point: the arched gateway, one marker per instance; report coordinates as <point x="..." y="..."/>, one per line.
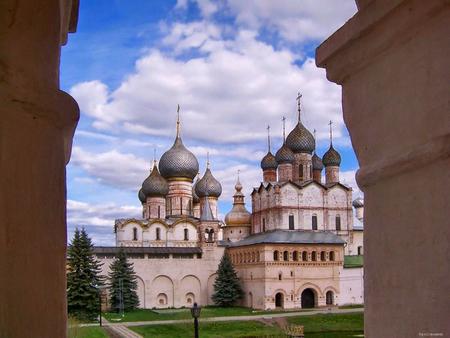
<point x="308" y="299"/>
<point x="279" y="300"/>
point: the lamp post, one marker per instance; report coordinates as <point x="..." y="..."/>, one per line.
<point x="195" y="312"/>
<point x="99" y="291"/>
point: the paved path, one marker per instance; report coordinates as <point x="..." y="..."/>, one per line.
<point x="242" y="318"/>
<point x="120" y="331"/>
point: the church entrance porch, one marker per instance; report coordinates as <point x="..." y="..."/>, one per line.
<point x="279" y="300"/>
<point x="308" y="299"/>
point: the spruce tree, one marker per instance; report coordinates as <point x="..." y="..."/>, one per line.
<point x="122" y="282"/>
<point x="227" y="287"/>
<point x="83" y="276"/>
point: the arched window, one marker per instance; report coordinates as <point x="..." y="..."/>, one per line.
<point x="295" y="255"/>
<point x="291" y="222"/>
<point x="285" y="256"/>
<point x="158" y="234"/>
<point x="322" y="255"/>
<point x="186" y="234"/>
<point x="360" y="252"/>
<point x="329" y="297"/>
<point x="300" y="172"/>
<point x="159" y="211"/>
<point x="314" y="222"/>
<point x="275" y="255"/>
<point x="304" y="256"/>
<point x="280" y="276"/>
<point x="314" y="256"/>
<point x="135" y="234"/>
<point x="331" y="255"/>
<point x="338" y="222"/>
<point x="181" y="205"/>
<point x="264" y="224"/>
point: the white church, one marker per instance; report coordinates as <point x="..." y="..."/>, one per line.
<point x="301" y="246"/>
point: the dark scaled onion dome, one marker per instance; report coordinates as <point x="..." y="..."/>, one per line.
<point x="195" y="198"/>
<point x="300" y="140"/>
<point x="208" y="186"/>
<point x="317" y="162"/>
<point x="284" y="155"/>
<point x="141" y="196"/>
<point x="269" y="162"/>
<point x="155" y="185"/>
<point x="178" y="162"/>
<point x="331" y="158"/>
<point x="358" y="202"/>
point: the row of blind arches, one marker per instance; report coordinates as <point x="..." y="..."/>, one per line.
<point x="158" y="234"/>
<point x="303" y="256"/>
<point x="296" y="256"/>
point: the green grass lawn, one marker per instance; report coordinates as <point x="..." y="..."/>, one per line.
<point x="330" y="322"/>
<point x="87" y="332"/>
<point x="323" y="326"/>
<point x="210" y="330"/>
<point x="209" y="311"/>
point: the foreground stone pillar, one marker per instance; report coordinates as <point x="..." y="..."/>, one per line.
<point x="37" y="122"/>
<point x="392" y="60"/>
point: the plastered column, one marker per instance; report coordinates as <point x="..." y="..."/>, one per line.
<point x="36" y="129"/>
<point x="392" y="60"/>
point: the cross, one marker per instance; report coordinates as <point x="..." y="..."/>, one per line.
<point x="331" y="133"/>
<point x="238" y="172"/>
<point x="178" y="120"/>
<point x="268" y="137"/>
<point x="154" y="156"/>
<point x="207" y="159"/>
<point x="299" y="97"/>
<point x="284" y="128"/>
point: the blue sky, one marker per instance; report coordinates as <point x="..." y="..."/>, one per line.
<point x="233" y="66"/>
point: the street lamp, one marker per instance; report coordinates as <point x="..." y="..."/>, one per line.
<point x="195" y="312"/>
<point x="99" y="289"/>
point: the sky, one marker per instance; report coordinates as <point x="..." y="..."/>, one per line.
<point x="233" y="66"/>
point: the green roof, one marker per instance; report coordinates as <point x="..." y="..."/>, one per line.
<point x="353" y="261"/>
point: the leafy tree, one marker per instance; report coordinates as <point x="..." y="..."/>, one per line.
<point x="123" y="284"/>
<point x="83" y="276"/>
<point x="227" y="287"/>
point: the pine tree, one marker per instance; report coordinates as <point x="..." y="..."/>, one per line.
<point x="227" y="287"/>
<point x="83" y="276"/>
<point x="122" y="282"/>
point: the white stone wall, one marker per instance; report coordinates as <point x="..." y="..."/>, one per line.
<point x="352" y="286"/>
<point x="172" y="281"/>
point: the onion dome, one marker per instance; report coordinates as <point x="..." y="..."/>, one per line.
<point x="141" y="196"/>
<point x="358" y="202"/>
<point x="317" y="162"/>
<point x="178" y="162"/>
<point x="284" y="155"/>
<point x="155" y="185"/>
<point x="300" y="140"/>
<point x="238" y="215"/>
<point x="208" y="186"/>
<point x="195" y="198"/>
<point x="331" y="158"/>
<point x="269" y="162"/>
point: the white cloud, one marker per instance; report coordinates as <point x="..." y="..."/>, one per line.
<point x="227" y="95"/>
<point x="113" y="168"/>
<point x="295" y="21"/>
<point x="348" y="178"/>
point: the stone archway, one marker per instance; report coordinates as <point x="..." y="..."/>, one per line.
<point x="279" y="300"/>
<point x="308" y="298"/>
